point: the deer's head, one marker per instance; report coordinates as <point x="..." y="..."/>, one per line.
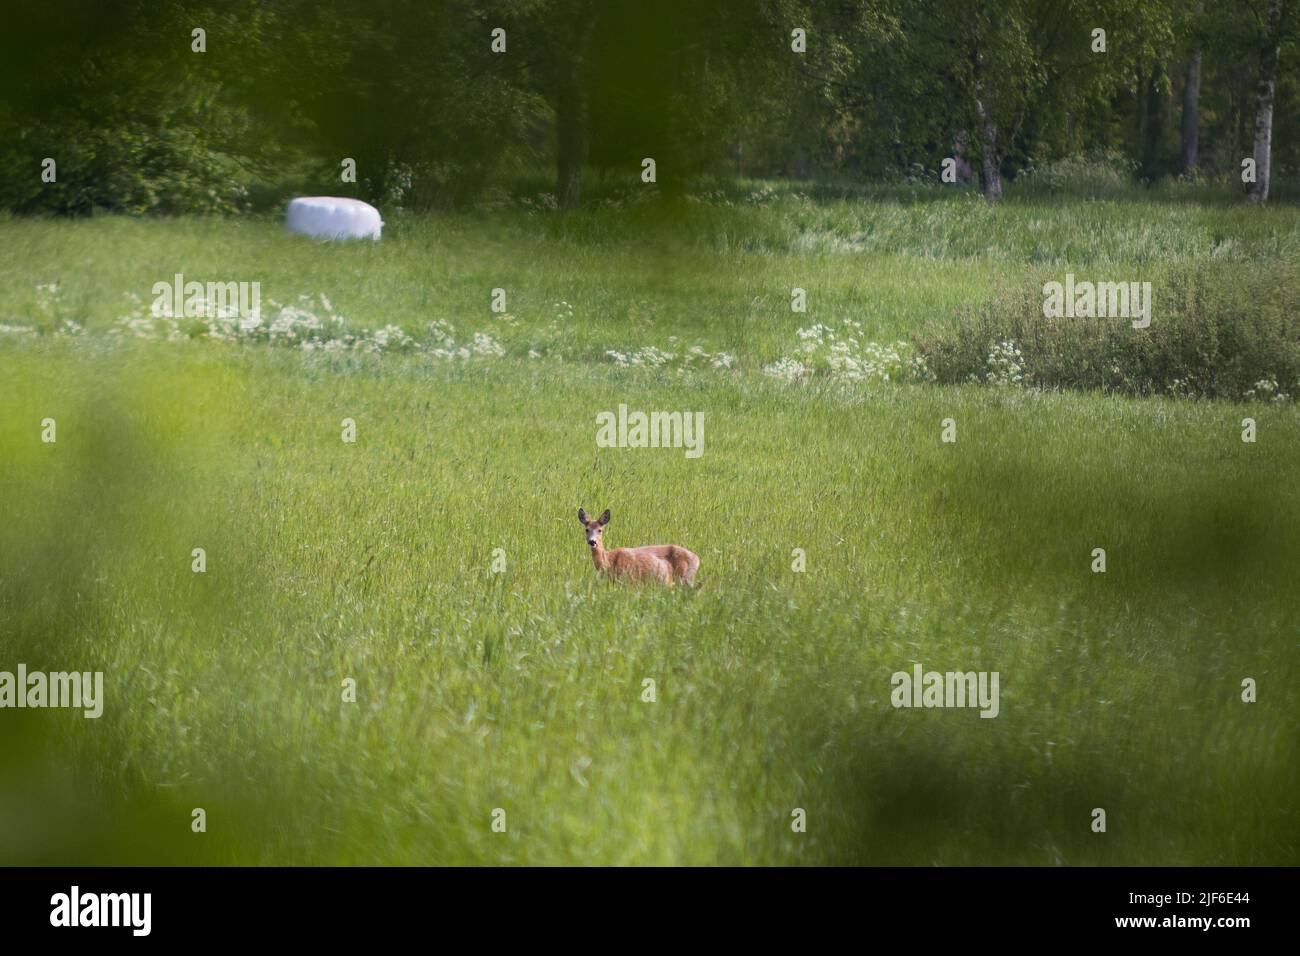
<point x="594" y="530"/>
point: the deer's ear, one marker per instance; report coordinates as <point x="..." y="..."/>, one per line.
<point x="604" y="518"/>
<point x="582" y="515"/>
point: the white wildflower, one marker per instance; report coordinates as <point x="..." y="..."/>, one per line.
<point x="787" y="369"/>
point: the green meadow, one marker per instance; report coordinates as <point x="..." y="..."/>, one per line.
<point x="523" y="688"/>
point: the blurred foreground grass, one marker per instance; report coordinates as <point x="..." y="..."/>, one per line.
<point x="523" y="690"/>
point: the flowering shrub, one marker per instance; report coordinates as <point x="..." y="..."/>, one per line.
<point x="310" y="324"/>
<point x="651" y="356"/>
<point x="787" y="370"/>
<point x="1216" y="332"/>
<point x="843" y="355"/>
<point x="696" y="355"/>
<point x="648" y="356"/>
<point x="1006" y="366"/>
<point x="51" y="313"/>
<point x="1267" y="390"/>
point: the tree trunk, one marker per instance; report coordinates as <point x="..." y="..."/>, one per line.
<point x="1268" y="60"/>
<point x="571" y="141"/>
<point x="1141" y="112"/>
<point x="990" y="160"/>
<point x="572" y="113"/>
<point x="802" y="163"/>
<point x="1153" y="116"/>
<point x="1192" y="114"/>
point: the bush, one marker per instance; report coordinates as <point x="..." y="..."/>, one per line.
<point x="1099" y="174"/>
<point x="137" y="164"/>
<point x="1214" y="333"/>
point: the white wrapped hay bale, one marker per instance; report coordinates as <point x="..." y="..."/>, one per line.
<point x="331" y="217"/>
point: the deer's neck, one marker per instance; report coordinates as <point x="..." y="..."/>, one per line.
<point x="600" y="557"/>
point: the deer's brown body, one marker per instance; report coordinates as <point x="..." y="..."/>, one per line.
<point x="669" y="563"/>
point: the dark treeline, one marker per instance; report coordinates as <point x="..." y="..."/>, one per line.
<point x="434" y="112"/>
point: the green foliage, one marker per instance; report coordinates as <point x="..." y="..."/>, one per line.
<point x="150" y="166"/>
<point x="1216" y="332"/>
<point x="1099" y="175"/>
<point x="134" y="120"/>
<point x="411" y="90"/>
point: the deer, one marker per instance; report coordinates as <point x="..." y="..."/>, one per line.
<point x="668" y="563"/>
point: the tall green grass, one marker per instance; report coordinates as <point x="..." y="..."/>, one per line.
<point x="645" y="272"/>
<point x="523" y="690"/>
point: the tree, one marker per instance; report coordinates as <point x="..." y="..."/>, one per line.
<point x="983" y="70"/>
<point x="552" y="41"/>
<point x="1272" y="32"/>
<point x="1191" y="120"/>
<point x="1191" y="114"/>
<point x="625" y="82"/>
